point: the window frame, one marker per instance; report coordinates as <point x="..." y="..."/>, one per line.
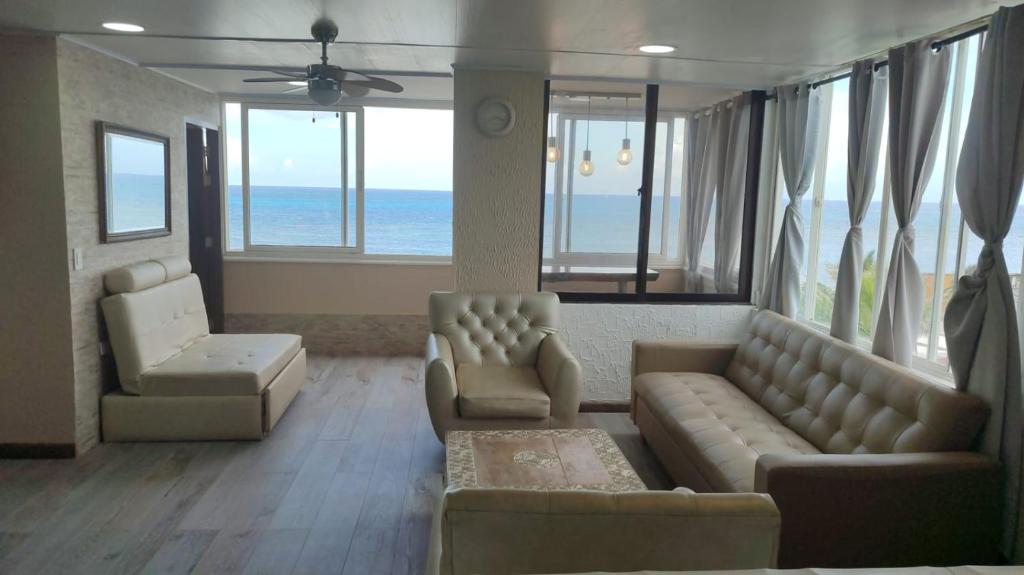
<point x="563" y="196"/>
<point x="314" y="254"/>
<point x="652" y="115"/>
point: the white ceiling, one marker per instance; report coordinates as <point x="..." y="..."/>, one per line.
<point x="721" y="43"/>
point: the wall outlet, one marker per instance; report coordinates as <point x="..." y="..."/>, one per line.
<point x="77" y="259"/>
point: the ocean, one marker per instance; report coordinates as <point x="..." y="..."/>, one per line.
<point x="418" y="222"/>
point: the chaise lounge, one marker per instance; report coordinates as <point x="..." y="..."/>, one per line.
<point x="179" y="382"/>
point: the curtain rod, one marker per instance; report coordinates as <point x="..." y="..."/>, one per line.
<point x="936" y="45"/>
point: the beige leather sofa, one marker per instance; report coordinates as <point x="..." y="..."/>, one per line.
<point x="495" y="361"/>
<point x="178" y="381"/>
<point x="507" y="531"/>
<point x="869" y="463"/>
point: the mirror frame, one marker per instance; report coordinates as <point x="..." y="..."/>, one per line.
<point x="107" y="236"/>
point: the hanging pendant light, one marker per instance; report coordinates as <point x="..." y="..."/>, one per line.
<point x="587" y="166"/>
<point x="625" y="155"/>
<point x="554" y="154"/>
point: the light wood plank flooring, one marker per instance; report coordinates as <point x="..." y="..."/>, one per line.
<point x="347" y="483"/>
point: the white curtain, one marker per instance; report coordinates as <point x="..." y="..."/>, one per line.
<point x="867" y="114"/>
<point x="917" y="88"/>
<point x="732" y="185"/>
<point x="980" y="320"/>
<point x="799" y="126"/>
<point x="702" y="160"/>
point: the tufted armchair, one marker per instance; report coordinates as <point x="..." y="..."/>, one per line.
<point x="494" y="361"/>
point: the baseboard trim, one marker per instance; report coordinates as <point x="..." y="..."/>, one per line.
<point x="604" y="406"/>
<point x="37" y="450"/>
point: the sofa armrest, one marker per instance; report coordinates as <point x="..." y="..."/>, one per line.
<point x="885" y="509"/>
<point x="673" y="356"/>
<point x="526" y="531"/>
<point x="439" y="382"/>
<point x="562" y="378"/>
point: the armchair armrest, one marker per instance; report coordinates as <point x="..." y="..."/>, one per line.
<point x="439" y="383"/>
<point x="562" y="378"/>
<point x="674" y="356"/>
<point x="884" y="510"/>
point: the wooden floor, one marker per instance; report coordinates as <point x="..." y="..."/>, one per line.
<point x="347" y="483"/>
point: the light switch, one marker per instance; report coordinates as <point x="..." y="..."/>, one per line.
<point x="77" y="261"/>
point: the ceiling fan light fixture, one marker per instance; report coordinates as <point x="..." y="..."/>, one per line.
<point x="297" y="83"/>
<point x="324" y="91"/>
<point x="657" y="49"/>
<point x="123" y="27"/>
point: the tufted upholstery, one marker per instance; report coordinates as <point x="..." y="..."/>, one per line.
<point x="223" y="364"/>
<point x="494" y="329"/>
<point x="494" y="361"/>
<point x="844" y="400"/>
<point x="721" y="430"/>
<point x="855" y="450"/>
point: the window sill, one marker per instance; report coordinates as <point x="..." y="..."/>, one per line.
<point x="368" y="259"/>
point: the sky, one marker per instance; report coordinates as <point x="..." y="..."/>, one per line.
<point x="136" y="156"/>
<point x="406" y="149"/>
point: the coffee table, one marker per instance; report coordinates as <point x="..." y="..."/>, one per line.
<point x="545" y="459"/>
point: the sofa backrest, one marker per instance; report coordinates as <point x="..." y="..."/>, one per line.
<point x="844" y="399"/>
<point x="494" y="329"/>
<point x="156" y="311"/>
<point x="526" y="531"/>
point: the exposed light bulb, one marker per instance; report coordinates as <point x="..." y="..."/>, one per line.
<point x="625" y="155"/>
<point x="586" y="166"/>
<point x="554" y="154"/>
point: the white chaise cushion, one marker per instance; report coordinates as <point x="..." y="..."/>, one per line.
<point x="222" y="365"/>
<point x="150" y="326"/>
<point x="145" y="275"/>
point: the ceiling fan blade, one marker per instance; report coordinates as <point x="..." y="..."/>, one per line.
<point x="285" y="70"/>
<point x="373" y="83"/>
<point x="269" y="80"/>
<point x="353" y="90"/>
<point x="295" y="90"/>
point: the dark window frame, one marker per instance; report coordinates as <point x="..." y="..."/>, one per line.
<point x="640" y="294"/>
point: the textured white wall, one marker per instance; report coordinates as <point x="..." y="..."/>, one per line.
<point x="496" y="184"/>
<point x="601" y="336"/>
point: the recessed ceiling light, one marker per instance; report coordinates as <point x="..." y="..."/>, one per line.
<point x="123" y="27"/>
<point x="297" y="83"/>
<point x="657" y="49"/>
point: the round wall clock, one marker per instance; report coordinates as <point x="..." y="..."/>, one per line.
<point x="495" y="117"/>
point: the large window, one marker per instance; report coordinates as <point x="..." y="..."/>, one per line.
<point x="341" y="182"/>
<point x="594" y="210"/>
<point x="944" y="246"/>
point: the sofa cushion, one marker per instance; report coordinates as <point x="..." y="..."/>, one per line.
<point x="719" y="429"/>
<point x="222" y="364"/>
<point x="846" y="400"/>
<point x="495" y="391"/>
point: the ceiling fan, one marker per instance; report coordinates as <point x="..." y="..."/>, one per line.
<point x="325" y="83"/>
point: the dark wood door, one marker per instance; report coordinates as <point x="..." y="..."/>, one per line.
<point x="204" y="218"/>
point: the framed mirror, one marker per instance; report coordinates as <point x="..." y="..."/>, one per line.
<point x="134" y="183"/>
